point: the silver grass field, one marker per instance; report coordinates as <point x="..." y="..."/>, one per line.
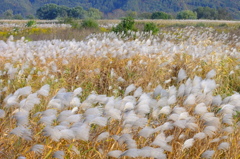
<point x="174" y="95"/>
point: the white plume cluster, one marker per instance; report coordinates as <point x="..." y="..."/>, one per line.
<point x="183" y="110"/>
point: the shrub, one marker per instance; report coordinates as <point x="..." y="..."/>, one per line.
<point x="89" y="23"/>
<point x="125" y="25"/>
<point x="31" y="23"/>
<point x="151" y="27"/>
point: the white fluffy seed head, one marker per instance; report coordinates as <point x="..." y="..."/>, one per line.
<point x="115" y="153"/>
<point x="210" y="130"/>
<point x="44" y="90"/>
<point x="59" y="154"/>
<point x="146" y="132"/>
<point x="191" y="100"/>
<point x="224" y="146"/>
<point x="208" y="154"/>
<point x="165" y="110"/>
<point x="200" y="109"/>
<point x="38" y="149"/>
<point x="181" y="75"/>
<point x="2" y="113"/>
<point x="211" y="74"/>
<point x="129" y="89"/>
<point x="188" y="143"/>
<point x="200" y="136"/>
<point x="103" y="136"/>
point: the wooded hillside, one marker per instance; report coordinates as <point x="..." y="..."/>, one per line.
<point x="29" y="7"/>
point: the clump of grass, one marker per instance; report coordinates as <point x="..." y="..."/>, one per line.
<point x="31" y="23"/>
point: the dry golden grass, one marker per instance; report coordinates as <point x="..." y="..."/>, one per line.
<point x="94" y="74"/>
<point x="12" y="146"/>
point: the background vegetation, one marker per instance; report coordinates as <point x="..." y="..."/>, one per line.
<point x="115" y="8"/>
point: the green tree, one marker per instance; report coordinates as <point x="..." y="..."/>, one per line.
<point x="18" y="16"/>
<point x="125" y="25"/>
<point x="187" y="14"/>
<point x="161" y="15"/>
<point x="77" y="12"/>
<point x="89" y="23"/>
<point x="30" y="16"/>
<point x="8" y="14"/>
<point x="206" y="13"/>
<point x="224" y="14"/>
<point x="151" y="27"/>
<point x="48" y="11"/>
<point x="94" y="13"/>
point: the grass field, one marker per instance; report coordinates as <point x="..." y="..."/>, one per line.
<point x="70" y="93"/>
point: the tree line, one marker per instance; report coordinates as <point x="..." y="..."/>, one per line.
<point x="53" y="11"/>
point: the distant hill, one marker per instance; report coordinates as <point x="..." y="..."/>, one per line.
<point x="27" y="7"/>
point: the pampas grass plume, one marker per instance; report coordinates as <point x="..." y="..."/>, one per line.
<point x="224" y="146"/>
<point x="208" y="154"/>
<point x="129" y="89"/>
<point x="102" y="136"/>
<point x="115" y="153"/>
<point x="59" y="154"/>
<point x="38" y="149"/>
<point x="188" y="143"/>
<point x="2" y="113"/>
<point x="165" y="110"/>
<point x="181" y="75"/>
<point x="211" y="74"/>
<point x="44" y="90"/>
<point x="200" y="136"/>
<point x="210" y="130"/>
<point x="200" y="109"/>
<point x="146" y="132"/>
<point x="191" y="100"/>
<point x="131" y="153"/>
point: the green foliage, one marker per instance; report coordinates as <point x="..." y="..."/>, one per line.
<point x="211" y="13"/>
<point x="73" y="22"/>
<point x="187" y="14"/>
<point x="94" y="13"/>
<point x="18" y="16"/>
<point x="89" y="23"/>
<point x="224" y="14"/>
<point x="151" y="27"/>
<point x="53" y="11"/>
<point x="31" y="23"/>
<point x="24" y="7"/>
<point x="77" y="12"/>
<point x="206" y="13"/>
<point x="48" y="11"/>
<point x="8" y="14"/>
<point x="145" y="15"/>
<point x="30" y="16"/>
<point x="125" y="25"/>
<point x="161" y="15"/>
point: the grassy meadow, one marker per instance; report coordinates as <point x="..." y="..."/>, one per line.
<point x="91" y="93"/>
